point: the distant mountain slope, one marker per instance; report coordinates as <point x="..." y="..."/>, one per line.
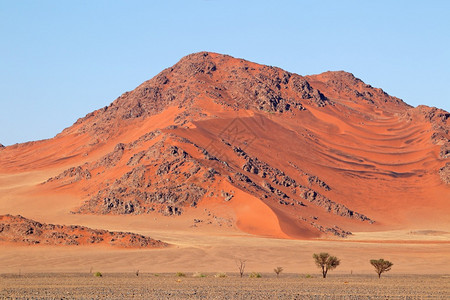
<point x="291" y="156"/>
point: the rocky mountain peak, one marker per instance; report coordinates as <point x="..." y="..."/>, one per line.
<point x="227" y="81"/>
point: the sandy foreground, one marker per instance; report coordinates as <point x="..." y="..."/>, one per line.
<point x="170" y="286"/>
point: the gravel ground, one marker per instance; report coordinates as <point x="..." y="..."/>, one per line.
<point x="169" y="286"/>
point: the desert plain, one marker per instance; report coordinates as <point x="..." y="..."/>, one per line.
<point x="170" y="286"/>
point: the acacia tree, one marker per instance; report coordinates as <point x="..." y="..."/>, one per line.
<point x="326" y="262"/>
<point x="381" y="265"/>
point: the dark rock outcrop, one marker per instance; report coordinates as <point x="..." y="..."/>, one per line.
<point x="444" y="173"/>
<point x="17" y="229"/>
<point x="72" y="175"/>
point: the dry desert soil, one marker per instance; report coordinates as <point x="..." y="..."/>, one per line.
<point x="170" y="286"/>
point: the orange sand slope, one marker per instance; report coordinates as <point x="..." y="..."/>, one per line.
<point x="219" y="142"/>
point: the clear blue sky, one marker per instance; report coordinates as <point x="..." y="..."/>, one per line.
<point x="60" y="60"/>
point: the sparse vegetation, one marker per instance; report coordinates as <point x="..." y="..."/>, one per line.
<point x="198" y="275"/>
<point x="255" y="275"/>
<point x="241" y="265"/>
<point x="278" y="270"/>
<point x="308" y="276"/>
<point x="180" y="274"/>
<point x="381" y="266"/>
<point x="98" y="274"/>
<point x="220" y="275"/>
<point x="326" y="262"/>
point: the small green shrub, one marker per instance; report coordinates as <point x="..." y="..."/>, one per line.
<point x="308" y="276"/>
<point x="98" y="274"/>
<point x="220" y="275"/>
<point x="254" y="275"/>
<point x="198" y="275"/>
<point x="156" y="275"/>
<point x="180" y="274"/>
<point x="278" y="270"/>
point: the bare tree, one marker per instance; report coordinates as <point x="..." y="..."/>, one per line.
<point x="381" y="265"/>
<point x="326" y="262"/>
<point x="241" y="265"/>
<point x="278" y="270"/>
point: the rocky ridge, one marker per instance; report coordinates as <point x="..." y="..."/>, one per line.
<point x="227" y="81"/>
<point x="18" y="229"/>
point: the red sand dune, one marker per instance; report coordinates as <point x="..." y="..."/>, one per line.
<point x="270" y="152"/>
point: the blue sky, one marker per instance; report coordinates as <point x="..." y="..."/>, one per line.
<point x="60" y="60"/>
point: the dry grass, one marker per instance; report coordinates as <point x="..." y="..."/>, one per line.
<point x="166" y="286"/>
